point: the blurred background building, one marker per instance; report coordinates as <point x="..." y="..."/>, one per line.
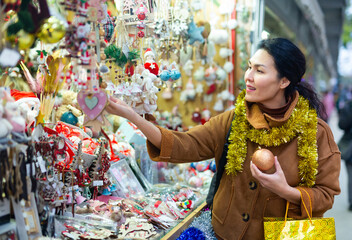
<point x="316" y="26"/>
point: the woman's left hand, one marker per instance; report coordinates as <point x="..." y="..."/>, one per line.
<point x="275" y="182"/>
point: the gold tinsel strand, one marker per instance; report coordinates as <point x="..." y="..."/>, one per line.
<point x="301" y="124"/>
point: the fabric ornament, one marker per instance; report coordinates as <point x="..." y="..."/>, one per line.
<point x="197" y="5"/>
<point x="228" y="67"/>
<point x="232" y="24"/>
<point x="199" y="74"/>
<point x="186" y="54"/>
<point x="226" y="7"/>
<point x="301" y="124"/>
<point x="221" y="74"/>
<point x="188" y="67"/>
<point x="108" y="27"/>
<point x="210" y="75"/>
<point x="195" y="33"/>
<point x="211" y="89"/>
<point x="225" y="52"/>
<point x="219" y="105"/>
<point x="206" y="114"/>
<point x="219" y="36"/>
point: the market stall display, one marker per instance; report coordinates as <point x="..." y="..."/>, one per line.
<point x="71" y="171"/>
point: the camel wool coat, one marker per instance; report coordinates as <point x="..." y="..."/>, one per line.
<point x="241" y="203"/>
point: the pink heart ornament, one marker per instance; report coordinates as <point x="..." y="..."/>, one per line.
<point x="92" y="104"/>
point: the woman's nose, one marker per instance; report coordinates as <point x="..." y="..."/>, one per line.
<point x="248" y="75"/>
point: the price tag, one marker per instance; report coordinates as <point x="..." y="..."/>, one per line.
<point x="41" y="163"/>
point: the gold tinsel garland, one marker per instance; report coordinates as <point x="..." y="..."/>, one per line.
<point x="301" y="124"/>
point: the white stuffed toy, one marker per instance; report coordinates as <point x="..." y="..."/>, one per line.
<point x="6" y="126"/>
<point x="28" y="104"/>
<point x="147" y="101"/>
<point x="14" y="117"/>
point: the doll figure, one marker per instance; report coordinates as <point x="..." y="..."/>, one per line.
<point x="149" y="62"/>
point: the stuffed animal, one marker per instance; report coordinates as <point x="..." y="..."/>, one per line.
<point x="68" y="111"/>
<point x="28" y="104"/>
<point x="14" y="117"/>
<point x="6" y="127"/>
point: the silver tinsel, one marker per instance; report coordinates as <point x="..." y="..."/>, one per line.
<point x="203" y="223"/>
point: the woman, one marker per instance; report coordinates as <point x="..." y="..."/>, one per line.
<point x="276" y="111"/>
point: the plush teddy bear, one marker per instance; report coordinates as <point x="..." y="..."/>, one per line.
<point x="68" y="111"/>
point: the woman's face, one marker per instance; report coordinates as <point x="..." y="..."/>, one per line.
<point x="263" y="84"/>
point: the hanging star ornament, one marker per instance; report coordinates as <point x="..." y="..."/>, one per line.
<point x="195" y="33"/>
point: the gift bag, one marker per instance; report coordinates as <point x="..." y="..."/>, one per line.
<point x="311" y="228"/>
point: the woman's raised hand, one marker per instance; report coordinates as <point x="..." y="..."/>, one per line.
<point x="119" y="107"/>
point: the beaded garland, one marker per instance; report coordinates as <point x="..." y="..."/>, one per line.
<point x="301" y="124"/>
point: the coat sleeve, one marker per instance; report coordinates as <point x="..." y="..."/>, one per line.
<point x="197" y="144"/>
<point x="320" y="197"/>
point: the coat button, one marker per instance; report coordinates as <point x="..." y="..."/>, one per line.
<point x="252" y="185"/>
<point x="245" y="217"/>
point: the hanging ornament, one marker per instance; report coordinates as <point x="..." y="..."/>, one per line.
<point x="24" y="40"/>
<point x="140" y="34"/>
<point x="52" y="31"/>
<point x="150" y="64"/>
<point x="141" y="12"/>
<point x="140" y="25"/>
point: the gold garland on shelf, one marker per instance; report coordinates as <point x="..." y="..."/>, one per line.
<point x="301" y="124"/>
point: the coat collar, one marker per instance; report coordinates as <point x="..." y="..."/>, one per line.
<point x="263" y="121"/>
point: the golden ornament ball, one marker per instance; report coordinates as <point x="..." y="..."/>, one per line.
<point x="52" y="30"/>
<point x="103" y="85"/>
<point x="24" y="40"/>
<point x="264" y="159"/>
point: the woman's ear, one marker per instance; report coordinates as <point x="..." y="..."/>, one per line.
<point x="284" y="82"/>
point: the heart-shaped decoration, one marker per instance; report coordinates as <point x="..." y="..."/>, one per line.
<point x="92" y="104"/>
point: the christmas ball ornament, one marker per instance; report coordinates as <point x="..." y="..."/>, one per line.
<point x="212" y="166"/>
<point x="165" y="75"/>
<point x="69" y="118"/>
<point x="52" y="30"/>
<point x="24" y="39"/>
<point x="264" y="159"/>
<point x="193" y="165"/>
<point x="195" y="181"/>
<point x="175" y="74"/>
<point x="140" y="34"/>
<point x="202" y="166"/>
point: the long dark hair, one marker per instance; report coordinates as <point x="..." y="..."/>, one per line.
<point x="290" y="62"/>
